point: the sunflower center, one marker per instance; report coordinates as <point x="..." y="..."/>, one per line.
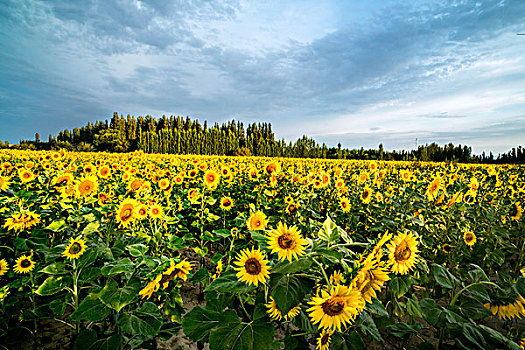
<point x="333" y="306"/>
<point x="403" y="252"/>
<point x="25" y="263"/>
<point x="469" y="237"/>
<point x="325" y="339"/>
<point x="126" y="213"/>
<point x="75" y="248"/>
<point x="286" y="241"/>
<point x="256" y="223"/>
<point x="365" y="194"/>
<point x="226" y="203"/>
<point x="252" y="266"/>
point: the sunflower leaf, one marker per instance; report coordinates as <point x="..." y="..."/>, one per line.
<point x="228" y="283"/>
<point x="236" y="335"/>
<point x="289" y="290"/>
<point x="53" y="284"/>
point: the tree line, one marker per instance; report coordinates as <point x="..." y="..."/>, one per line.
<point x="179" y="135"/>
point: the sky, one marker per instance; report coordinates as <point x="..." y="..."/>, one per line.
<point x="356" y="72"/>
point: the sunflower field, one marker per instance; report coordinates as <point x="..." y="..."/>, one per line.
<point x="120" y="251"/>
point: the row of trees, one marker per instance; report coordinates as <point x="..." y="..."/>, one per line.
<point x="180" y="135"/>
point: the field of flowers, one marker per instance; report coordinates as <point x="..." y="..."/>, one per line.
<point x="113" y="251"/>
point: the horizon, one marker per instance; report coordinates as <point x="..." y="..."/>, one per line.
<point x="356" y="74"/>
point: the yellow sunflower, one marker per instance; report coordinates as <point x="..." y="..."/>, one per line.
<point x="370" y="279"/>
<point x="26" y="175"/>
<point x="335" y="309"/>
<point x="226" y="203"/>
<point x="509" y="310"/>
<point x="180" y="269"/>
<point x="366" y="195"/>
<point x="516" y="212"/>
<point x="470" y="238"/>
<point x="4" y="267"/>
<point x="344" y="203"/>
<point x="104" y="172"/>
<point x="164" y="184"/>
<point x="24" y="220"/>
<point x="402" y="253"/>
<point x="257" y="221"/>
<point x="292" y="208"/>
<point x="126" y="212"/>
<point x="211" y="179"/>
<point x="24" y="264"/>
<point x="286" y="242"/>
<point x="252" y="266"/>
<point x="87" y="186"/>
<point x="433" y="187"/>
<point x="134" y="185"/>
<point x="75" y="249"/>
<point x="337" y="278"/>
<point x="323" y="342"/>
<point x="4" y="183"/>
<point x="156" y="211"/>
<point x="151" y="287"/>
<point x="276" y="314"/>
<point x="142" y="211"/>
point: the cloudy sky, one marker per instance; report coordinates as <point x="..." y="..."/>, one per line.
<point x="356" y="72"/>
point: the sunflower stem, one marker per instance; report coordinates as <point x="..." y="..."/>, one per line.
<point x="324" y="273"/>
<point x="455" y="297"/>
<point x="246" y="312"/>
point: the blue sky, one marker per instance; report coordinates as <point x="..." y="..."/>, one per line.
<point x="356" y="72"/>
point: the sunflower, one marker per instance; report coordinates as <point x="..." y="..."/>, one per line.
<point x="4" y="267"/>
<point x="470" y="238"/>
<point x="180" y="269"/>
<point x="276" y="314"/>
<point x="211" y="179"/>
<point x="446" y="248"/>
<point x="344" y="203"/>
<point x="218" y="270"/>
<point x="433" y="187"/>
<point x="156" y="211"/>
<point x="126" y="212"/>
<point x="24" y="264"/>
<point x="522" y="343"/>
<point x="334" y="309"/>
<point x="24" y="220"/>
<point x="4" y="183"/>
<point x="75" y="249"/>
<point x="142" y="211"/>
<point x="252" y="266"/>
<point x="102" y="198"/>
<point x="26" y="175"/>
<point x="366" y="195"/>
<point x="151" y="287"/>
<point x="323" y="342"/>
<point x="87" y="186"/>
<point x="257" y="221"/>
<point x="272" y="167"/>
<point x="337" y="278"/>
<point x="370" y="279"/>
<point x="516" y="212"/>
<point x="226" y="203"/>
<point x="134" y="185"/>
<point x="292" y="208"/>
<point x="509" y="310"/>
<point x="104" y="172"/>
<point x="286" y="242"/>
<point x="402" y="253"/>
<point x="164" y="184"/>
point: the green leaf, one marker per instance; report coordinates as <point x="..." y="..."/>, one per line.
<point x="58" y="306"/>
<point x="331" y="255"/>
<point x="143" y="321"/>
<point x="472" y="308"/>
<point x="377" y="308"/>
<point x="91" y="228"/>
<point x="477" y="274"/>
<point x="338" y="342"/>
<point x="198" y="323"/>
<point x="88" y="258"/>
<point x="498" y="338"/>
<point x="413" y="307"/>
<point x="355" y="341"/>
<point x="89" y="275"/>
<point x="224" y="233"/>
<point x="116" y="298"/>
<point x="399" y="285"/>
<point x="444" y="277"/>
<point x="369" y="327"/>
<point x="137" y="250"/>
<point x="431" y="310"/>
<point x="124" y="265"/>
<point x="402" y="330"/>
<point x="293" y="267"/>
<point x="235" y="335"/>
<point x="56" y="225"/>
<point x="53" y="284"/>
<point x="56" y="268"/>
<point x="218" y="301"/>
<point x="91" y="309"/>
<point x="85" y="339"/>
<point x="110" y="343"/>
<point x="289" y="290"/>
<point x="20" y="243"/>
<point x="229" y="283"/>
<point x="329" y="231"/>
<point x="520" y="286"/>
<point x="473" y="335"/>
